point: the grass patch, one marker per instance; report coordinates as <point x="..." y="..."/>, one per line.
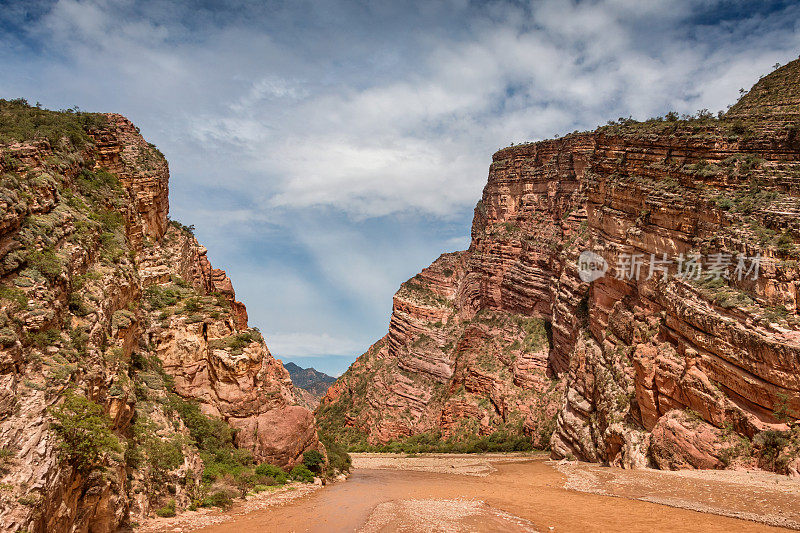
<point x="19" y="121"/>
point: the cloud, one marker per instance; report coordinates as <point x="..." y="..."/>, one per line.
<point x="311" y="345"/>
<point x="327" y="151"/>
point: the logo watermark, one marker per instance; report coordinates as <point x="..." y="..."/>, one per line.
<point x="633" y="266"/>
<point x="591" y="266"/>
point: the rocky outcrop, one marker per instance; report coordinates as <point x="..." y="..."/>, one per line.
<point x="111" y="315"/>
<point x="669" y="370"/>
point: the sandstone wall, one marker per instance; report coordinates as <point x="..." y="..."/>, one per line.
<point x="84" y="255"/>
<point x="666" y="372"/>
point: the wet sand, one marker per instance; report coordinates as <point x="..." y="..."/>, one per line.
<point x="519" y="494"/>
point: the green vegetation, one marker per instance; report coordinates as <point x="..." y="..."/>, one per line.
<point x="219" y="498"/>
<point x="7" y="337"/>
<point x="769" y="445"/>
<point x="163" y="455"/>
<point x="189" y="230"/>
<point x="725" y="296"/>
<point x="670" y="124"/>
<point x="238" y="342"/>
<point x="77" y="305"/>
<point x="313" y="460"/>
<point x="6" y="458"/>
<point x="228" y="472"/>
<point x="302" y="474"/>
<point x="43" y="339"/>
<point x="499" y="441"/>
<point x="83" y="432"/>
<point x="160" y="297"/>
<point x="168" y="511"/>
<point x="14" y="295"/>
<point x="46" y="263"/>
<point x="416" y="290"/>
<point x="278" y="475"/>
<point x="122" y="319"/>
<point x="20" y="121"/>
<point x="338" y="458"/>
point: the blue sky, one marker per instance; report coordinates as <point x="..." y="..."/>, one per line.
<point x="328" y="151"/>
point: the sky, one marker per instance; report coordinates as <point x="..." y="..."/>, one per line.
<point x="328" y="151"/>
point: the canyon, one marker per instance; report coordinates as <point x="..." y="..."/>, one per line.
<point x="133" y="385"/>
<point x="130" y="380"/>
<point x="682" y="369"/>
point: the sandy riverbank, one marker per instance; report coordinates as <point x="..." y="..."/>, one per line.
<point x="520" y="493"/>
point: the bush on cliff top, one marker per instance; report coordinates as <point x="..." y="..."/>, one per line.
<point x="21" y="122"/>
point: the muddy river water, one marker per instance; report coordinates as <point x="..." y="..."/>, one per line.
<point x="519" y="495"/>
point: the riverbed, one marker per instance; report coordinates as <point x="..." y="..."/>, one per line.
<point x="446" y="493"/>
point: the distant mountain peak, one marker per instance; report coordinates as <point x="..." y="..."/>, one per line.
<point x="311" y="380"/>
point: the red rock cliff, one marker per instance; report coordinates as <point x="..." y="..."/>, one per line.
<point x="105" y="303"/>
<point x="669" y="372"/>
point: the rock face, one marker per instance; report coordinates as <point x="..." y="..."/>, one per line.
<point x="310" y="385"/>
<point x="106" y="302"/>
<point x="681" y="369"/>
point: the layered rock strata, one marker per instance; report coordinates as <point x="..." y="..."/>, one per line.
<point x="678" y="369"/>
<point x="106" y="305"/>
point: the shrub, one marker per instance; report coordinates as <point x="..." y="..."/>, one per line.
<point x="499" y="441"/>
<point x="164" y="455"/>
<point x="338" y="458"/>
<point x="168" y="511"/>
<point x="268" y="470"/>
<point x="189" y="230"/>
<point x="46" y="263"/>
<point x="236" y="343"/>
<point x="122" y="319"/>
<point x="219" y="498"/>
<point x="302" y="474"/>
<point x="224" y="462"/>
<point x="6" y="457"/>
<point x="22" y="122"/>
<point x="313" y="460"/>
<point x="770" y="444"/>
<point x="245" y="481"/>
<point x="192" y="305"/>
<point x="29" y="500"/>
<point x="83" y="432"/>
<point x="43" y="339"/>
<point x="209" y="434"/>
<point x="15" y="295"/>
<point x="160" y="297"/>
<point x="7" y="337"/>
<point x="77" y="306"/>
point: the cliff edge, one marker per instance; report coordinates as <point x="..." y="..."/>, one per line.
<point x="129" y="378"/>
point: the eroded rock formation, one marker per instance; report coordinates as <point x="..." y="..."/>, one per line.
<point x="665" y="370"/>
<point x="105" y="301"/>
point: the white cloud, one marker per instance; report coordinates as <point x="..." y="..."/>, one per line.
<point x="302" y="137"/>
<point x="311" y="345"/>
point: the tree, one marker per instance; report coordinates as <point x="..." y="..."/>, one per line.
<point x="83" y="431"/>
<point x="313" y="460"/>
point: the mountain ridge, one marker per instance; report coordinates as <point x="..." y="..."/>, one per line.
<point x="312" y="384"/>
